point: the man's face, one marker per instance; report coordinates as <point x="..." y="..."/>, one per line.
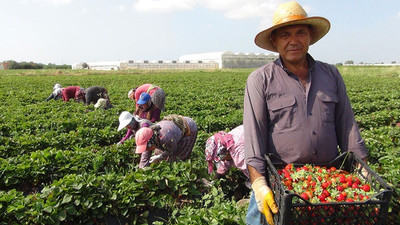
<point x="292" y="42"/>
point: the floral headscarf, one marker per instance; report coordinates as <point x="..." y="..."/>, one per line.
<point x="216" y="145"/>
<point x="80" y="94"/>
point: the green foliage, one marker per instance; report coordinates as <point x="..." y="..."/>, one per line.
<point x="212" y="208"/>
<point x="59" y="163"/>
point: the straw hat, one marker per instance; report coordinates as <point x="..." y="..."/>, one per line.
<point x="291" y="13"/>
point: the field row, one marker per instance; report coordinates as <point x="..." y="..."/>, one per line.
<point x="59" y="160"/>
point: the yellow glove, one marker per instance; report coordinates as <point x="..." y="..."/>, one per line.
<point x="264" y="198"/>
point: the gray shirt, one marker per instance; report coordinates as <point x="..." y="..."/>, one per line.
<point x="173" y="145"/>
<point x="93" y="93"/>
<point x="299" y="124"/>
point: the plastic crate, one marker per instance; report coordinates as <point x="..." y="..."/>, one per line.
<point x="294" y="210"/>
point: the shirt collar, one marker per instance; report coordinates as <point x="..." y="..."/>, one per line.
<point x="310" y="59"/>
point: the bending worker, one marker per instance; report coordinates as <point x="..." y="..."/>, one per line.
<point x="146" y="109"/>
<point x="146" y="114"/>
<point x="56" y="94"/>
<point x="226" y="150"/>
<point x="157" y="94"/>
<point x="172" y="139"/>
<point x="132" y="123"/>
<point x="94" y="93"/>
<point x="295" y="107"/>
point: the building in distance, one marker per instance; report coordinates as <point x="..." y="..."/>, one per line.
<point x="210" y="60"/>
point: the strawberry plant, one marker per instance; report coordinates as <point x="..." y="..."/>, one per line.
<point x="59" y="163"/>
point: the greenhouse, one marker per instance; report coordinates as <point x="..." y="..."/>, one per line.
<point x="230" y="59"/>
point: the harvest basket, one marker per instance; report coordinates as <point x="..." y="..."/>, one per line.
<point x="295" y="210"/>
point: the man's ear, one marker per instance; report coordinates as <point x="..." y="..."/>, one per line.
<point x="272" y="39"/>
<point x="311" y="30"/>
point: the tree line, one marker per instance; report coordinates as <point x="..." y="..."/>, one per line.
<point x="13" y="65"/>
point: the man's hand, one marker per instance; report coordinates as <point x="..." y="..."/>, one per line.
<point x="363" y="171"/>
<point x="264" y="198"/>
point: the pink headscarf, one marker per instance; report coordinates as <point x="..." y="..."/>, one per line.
<point x="214" y="145"/>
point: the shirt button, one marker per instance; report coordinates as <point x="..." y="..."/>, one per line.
<point x="310" y="114"/>
<point x="314" y="133"/>
<point x="315" y="152"/>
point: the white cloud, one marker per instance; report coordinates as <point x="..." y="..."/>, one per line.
<point x="56" y="2"/>
<point x="121" y="8"/>
<point x="232" y="9"/>
<point x="398" y="14"/>
<point x="164" y="6"/>
<point x="242" y="9"/>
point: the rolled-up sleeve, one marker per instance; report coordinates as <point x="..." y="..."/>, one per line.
<point x="145" y="159"/>
<point x="128" y="135"/>
<point x="255" y="120"/>
<point x="347" y="131"/>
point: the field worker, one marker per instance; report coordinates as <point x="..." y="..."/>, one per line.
<point x="72" y="92"/>
<point x="56" y="94"/>
<point x="226" y="150"/>
<point x="146" y="109"/>
<point x="172" y="139"/>
<point x="103" y="103"/>
<point x="295" y="107"/>
<point x="132" y="123"/>
<point x="93" y="93"/>
<point x="157" y="94"/>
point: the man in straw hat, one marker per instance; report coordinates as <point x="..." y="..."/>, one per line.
<point x="296" y="107"/>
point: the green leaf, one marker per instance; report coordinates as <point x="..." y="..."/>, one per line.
<point x="46" y="191"/>
<point x="145" y="214"/>
<point x="62" y="215"/>
<point x="48" y="209"/>
<point x="114" y="196"/>
<point x="77" y="202"/>
<point x="77" y="186"/>
<point x="67" y="199"/>
<point x="71" y="209"/>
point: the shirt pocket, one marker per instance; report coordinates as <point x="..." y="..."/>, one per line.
<point x="327" y="105"/>
<point x="281" y="112"/>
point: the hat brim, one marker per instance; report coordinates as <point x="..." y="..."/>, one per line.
<point x="141" y="148"/>
<point x="320" y="26"/>
<point x="141" y="101"/>
<point x="122" y="125"/>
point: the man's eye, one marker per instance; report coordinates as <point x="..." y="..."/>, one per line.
<point x="302" y="33"/>
<point x="284" y="35"/>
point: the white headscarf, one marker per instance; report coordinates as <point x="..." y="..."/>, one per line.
<point x="57" y="92"/>
<point x="56" y="86"/>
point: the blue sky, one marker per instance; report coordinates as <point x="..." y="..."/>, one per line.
<point x="72" y="31"/>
